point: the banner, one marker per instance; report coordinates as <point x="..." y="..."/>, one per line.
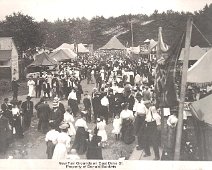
<point x="165" y="73"/>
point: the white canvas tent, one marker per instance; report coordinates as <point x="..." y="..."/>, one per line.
<point x="81" y="47"/>
<point x="195" y="53"/>
<point x="201" y="71"/>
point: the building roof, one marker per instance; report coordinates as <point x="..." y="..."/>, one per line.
<point x="195" y="53"/>
<point x="5" y="55"/>
<point x="113" y="44"/>
<point x="43" y="60"/>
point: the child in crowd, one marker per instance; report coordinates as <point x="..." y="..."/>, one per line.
<point x="116" y="127"/>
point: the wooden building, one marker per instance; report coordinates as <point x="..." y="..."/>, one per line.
<point x="9" y="67"/>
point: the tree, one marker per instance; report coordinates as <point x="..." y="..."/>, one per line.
<point x="25" y="31"/>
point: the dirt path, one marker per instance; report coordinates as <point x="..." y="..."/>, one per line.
<point x="33" y="145"/>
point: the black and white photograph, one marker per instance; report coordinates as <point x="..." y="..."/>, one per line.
<point x="97" y="80"/>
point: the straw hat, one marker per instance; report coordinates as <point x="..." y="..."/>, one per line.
<point x="64" y="126"/>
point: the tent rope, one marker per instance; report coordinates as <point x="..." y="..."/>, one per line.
<point x="209" y="43"/>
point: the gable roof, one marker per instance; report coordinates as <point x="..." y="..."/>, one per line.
<point x="195" y="53"/>
<point x="5" y="55"/>
<point x="43" y="60"/>
<point x="113" y="44"/>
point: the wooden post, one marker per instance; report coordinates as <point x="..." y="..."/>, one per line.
<point x="183" y="89"/>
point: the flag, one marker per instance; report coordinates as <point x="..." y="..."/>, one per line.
<point x="165" y="73"/>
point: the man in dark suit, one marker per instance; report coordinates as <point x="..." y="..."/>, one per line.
<point x="46" y="88"/>
<point x="56" y="116"/>
<point x="15" y="86"/>
<point x="43" y="111"/>
<point x="27" y="109"/>
<point x="38" y="86"/>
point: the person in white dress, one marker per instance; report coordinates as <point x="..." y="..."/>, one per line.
<point x="51" y="140"/>
<point x="31" y="86"/>
<point x="63" y="143"/>
<point x="117" y="127"/>
<point x="68" y="118"/>
<point x="101" y="124"/>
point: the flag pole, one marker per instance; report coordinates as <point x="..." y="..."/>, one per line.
<point x="183" y="89"/>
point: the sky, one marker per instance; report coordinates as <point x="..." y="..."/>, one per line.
<point x="54" y="9"/>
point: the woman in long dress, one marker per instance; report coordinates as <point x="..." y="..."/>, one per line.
<point x="51" y="140"/>
<point x="127" y="129"/>
<point x="94" y="147"/>
<point x="17" y="128"/>
<point x="63" y="143"/>
<point x="80" y="141"/>
<point x="68" y="118"/>
<point x="101" y="124"/>
<point x="31" y="86"/>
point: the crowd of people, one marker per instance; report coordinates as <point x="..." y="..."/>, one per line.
<point x="123" y="96"/>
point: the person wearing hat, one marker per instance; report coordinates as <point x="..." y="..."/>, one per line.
<point x="140" y="112"/>
<point x="81" y="137"/>
<point x="17" y="128"/>
<point x="61" y="105"/>
<point x="14" y="86"/>
<point x="31" y="86"/>
<point x="79" y="91"/>
<point x="56" y="116"/>
<point x="5" y="109"/>
<point x="100" y="126"/>
<point x="62" y="143"/>
<point x="46" y="88"/>
<point x="104" y="112"/>
<point x="87" y="106"/>
<point x="94" y="147"/>
<point x="127" y="97"/>
<point x="96" y="103"/>
<point x="72" y="102"/>
<point x="127" y="117"/>
<point x="27" y="110"/>
<point x="51" y="140"/>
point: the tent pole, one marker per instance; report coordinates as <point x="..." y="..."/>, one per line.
<point x="183" y="89"/>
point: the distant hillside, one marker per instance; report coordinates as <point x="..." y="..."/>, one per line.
<point x="29" y="34"/>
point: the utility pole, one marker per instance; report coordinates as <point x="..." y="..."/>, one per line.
<point x="131" y="24"/>
<point x="183" y="89"/>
